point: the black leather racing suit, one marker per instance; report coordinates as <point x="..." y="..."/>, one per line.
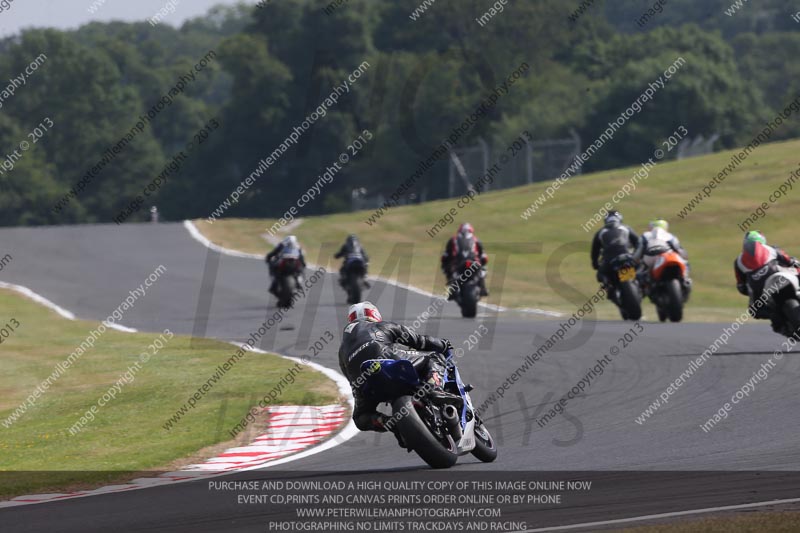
<point x="610" y="242"/>
<point x="363" y="340"/>
<point x="351" y="251"/>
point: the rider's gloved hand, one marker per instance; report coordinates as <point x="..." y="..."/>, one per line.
<point x="448" y="347"/>
<point x="742" y="288"/>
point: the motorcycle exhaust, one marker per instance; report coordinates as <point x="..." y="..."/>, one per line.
<point x="450" y="414"/>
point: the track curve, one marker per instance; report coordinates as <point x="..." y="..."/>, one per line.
<point x="89" y="269"/>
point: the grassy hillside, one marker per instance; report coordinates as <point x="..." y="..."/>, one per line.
<point x="710" y="233"/>
<point x="37" y="450"/>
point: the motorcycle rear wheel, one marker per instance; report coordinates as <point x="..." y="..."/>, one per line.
<point x="469" y="301"/>
<point x="354" y="290"/>
<point x="418" y="436"/>
<point x="630" y="304"/>
<point x="286" y="287"/>
<point x="675" y="301"/>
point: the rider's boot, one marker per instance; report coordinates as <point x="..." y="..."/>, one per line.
<point x="452" y="288"/>
<point x="382" y="421"/>
<point x="482" y="285"/>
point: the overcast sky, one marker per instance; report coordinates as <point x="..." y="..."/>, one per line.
<point x="69" y="14"/>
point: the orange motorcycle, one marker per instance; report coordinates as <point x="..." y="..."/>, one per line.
<point x="667" y="284"/>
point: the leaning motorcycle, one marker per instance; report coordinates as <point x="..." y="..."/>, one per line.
<point x="353" y="279"/>
<point x="438" y="431"/>
<point x="668" y="287"/>
<point x="624" y="287"/>
<point x="783" y="286"/>
<point x="288" y="271"/>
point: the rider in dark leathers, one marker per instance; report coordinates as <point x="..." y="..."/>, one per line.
<point x="368" y="337"/>
<point x="611" y="241"/>
<point x="351" y="251"/>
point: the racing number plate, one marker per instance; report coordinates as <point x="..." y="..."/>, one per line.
<point x="626" y="274"/>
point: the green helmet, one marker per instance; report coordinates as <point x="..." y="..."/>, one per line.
<point x="755" y="236"/>
<point x="660" y="223"/>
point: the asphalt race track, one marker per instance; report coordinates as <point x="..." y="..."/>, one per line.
<point x="666" y="464"/>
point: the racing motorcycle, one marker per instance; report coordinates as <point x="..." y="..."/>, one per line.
<point x="667" y="286"/>
<point x="466" y="276"/>
<point x="623" y="287"/>
<point x="353" y="279"/>
<point x="467" y="288"/>
<point x="289" y="271"/>
<point x="438" y="431"/>
<point x="783" y="287"/>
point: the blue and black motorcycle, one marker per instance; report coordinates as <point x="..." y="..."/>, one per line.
<point x="438" y="430"/>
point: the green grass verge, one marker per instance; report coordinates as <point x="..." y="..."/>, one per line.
<point x="756" y="522"/>
<point x="37" y="451"/>
<point x="710" y="233"/>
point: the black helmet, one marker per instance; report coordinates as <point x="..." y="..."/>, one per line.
<point x="613" y="218"/>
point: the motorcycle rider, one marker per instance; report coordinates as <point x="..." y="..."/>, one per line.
<point x="755" y="256"/>
<point x="366" y="337"/>
<point x="351" y="251"/>
<point x="464" y="238"/>
<point x="655" y="242"/>
<point x="286" y="249"/>
<point x="611" y="241"/>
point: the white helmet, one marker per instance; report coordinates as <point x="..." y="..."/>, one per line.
<point x="363" y="311"/>
<point x="291" y="242"/>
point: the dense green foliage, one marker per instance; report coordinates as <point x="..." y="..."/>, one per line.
<point x="275" y="65"/>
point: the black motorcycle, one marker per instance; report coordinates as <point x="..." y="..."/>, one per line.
<point x="466" y="287"/>
<point x="353" y="279"/>
<point x="288" y="271"/>
<point x="623" y="287"/>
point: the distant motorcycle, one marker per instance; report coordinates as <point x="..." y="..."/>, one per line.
<point x="354" y="279"/>
<point x="783" y="285"/>
<point x="624" y="287"/>
<point x="466" y="286"/>
<point x="288" y="271"/>
<point x="439" y="432"/>
<point x="667" y="286"/>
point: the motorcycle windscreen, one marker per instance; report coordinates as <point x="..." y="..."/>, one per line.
<point x="388" y="379"/>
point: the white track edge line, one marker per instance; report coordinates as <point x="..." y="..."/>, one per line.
<point x="344" y="434"/>
<point x="662" y="515"/>
<point x="38" y="298"/>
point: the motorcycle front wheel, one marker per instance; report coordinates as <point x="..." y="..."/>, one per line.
<point x="791" y="309"/>
<point x="485" y="448"/>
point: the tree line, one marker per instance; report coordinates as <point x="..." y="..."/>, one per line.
<point x="131" y="104"/>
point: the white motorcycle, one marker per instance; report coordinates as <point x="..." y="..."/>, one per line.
<point x="782" y="284"/>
